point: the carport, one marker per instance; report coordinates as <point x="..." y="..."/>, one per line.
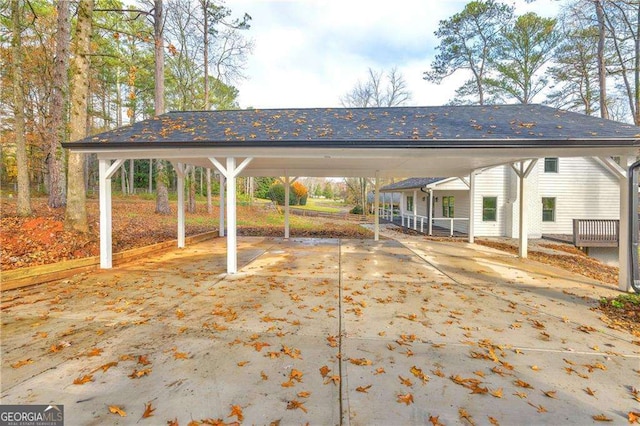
<point x="363" y="142"/>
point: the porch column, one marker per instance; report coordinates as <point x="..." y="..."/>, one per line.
<point x="472" y="204"/>
<point x="523" y="231"/>
<point x="431" y="212"/>
<point x="391" y="206"/>
<point x="105" y="171"/>
<point x="221" y="203"/>
<point x="287" y="197"/>
<point x="376" y="208"/>
<point x="231" y="172"/>
<point x="180" y="172"/>
<point x="415" y="209"/>
<point x="624" y="242"/>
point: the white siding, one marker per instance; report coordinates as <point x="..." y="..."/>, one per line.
<point x="583" y="190"/>
<point x="460" y="209"/>
<point x="491" y="183"/>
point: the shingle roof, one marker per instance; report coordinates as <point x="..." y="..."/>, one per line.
<point x="411" y="183"/>
<point x="441" y="126"/>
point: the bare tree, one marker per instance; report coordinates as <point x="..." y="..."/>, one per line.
<point x="24" y="198"/>
<point x="76" y="212"/>
<point x="377" y="91"/>
<point x="602" y="76"/>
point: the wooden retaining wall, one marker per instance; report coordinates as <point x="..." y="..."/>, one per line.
<point x="23" y="277"/>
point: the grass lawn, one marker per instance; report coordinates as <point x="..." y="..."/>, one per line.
<point x="41" y="238"/>
<point x="321" y="205"/>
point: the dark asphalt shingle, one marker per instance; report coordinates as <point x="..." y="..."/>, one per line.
<point x="362" y="127"/>
<point x="411" y="183"/>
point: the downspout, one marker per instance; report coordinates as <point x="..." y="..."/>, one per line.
<point x="633" y="226"/>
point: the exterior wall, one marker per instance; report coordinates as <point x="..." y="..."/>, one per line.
<point x="460" y="209"/>
<point x="583" y="189"/>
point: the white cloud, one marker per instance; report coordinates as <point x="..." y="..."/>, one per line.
<point x="309" y="53"/>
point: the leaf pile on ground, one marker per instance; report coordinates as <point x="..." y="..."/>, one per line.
<point x="623" y="312"/>
<point x="41" y="238"/>
<point x="575" y="262"/>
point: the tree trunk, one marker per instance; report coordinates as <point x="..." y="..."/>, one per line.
<point x="602" y="72"/>
<point x="57" y="179"/>
<point x="205" y="13"/>
<point x="76" y="213"/>
<point x="24" y="198"/>
<point x="162" y="195"/>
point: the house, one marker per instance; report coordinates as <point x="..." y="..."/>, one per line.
<point x="558" y="190"/>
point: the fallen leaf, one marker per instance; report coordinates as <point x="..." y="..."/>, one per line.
<point x="497" y="393"/>
<point x="521" y="395"/>
<point x="332" y="341"/>
<point x="180" y="355"/>
<point x="405" y="382"/>
<point x="633" y="417"/>
<point x="540" y="408"/>
<point x="296" y="375"/>
<point x="179" y="314"/>
<point x="363" y="389"/>
<point x="142" y="359"/>
<point x="465" y="416"/>
<point x="259" y="345"/>
<point x="84" y="379"/>
<point x="407" y="398"/>
<point x="148" y="410"/>
<point x="287" y="384"/>
<point x="236" y="411"/>
<point x="304" y="394"/>
<point x="360" y="361"/>
<point x="335" y="379"/>
<point x="140" y="373"/>
<point x="95" y="352"/>
<point x="535" y="368"/>
<point x="106" y="366"/>
<point x="173" y="422"/>
<point x="523" y="384"/>
<point x="590" y="391"/>
<point x="114" y="409"/>
<point x="419" y="374"/>
<point x="379" y="370"/>
<point x="242" y="363"/>
<point x="493" y="421"/>
<point x="324" y="370"/>
<point x="264" y="375"/>
<point x="601" y="418"/>
<point x="22" y="363"/>
<point x="550" y="394"/>
<point x="435" y="420"/>
<point x="292" y="405"/>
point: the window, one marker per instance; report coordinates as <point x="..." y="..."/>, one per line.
<point x="410" y="203"/>
<point x="447" y="206"/>
<point x="551" y="165"/>
<point x="489" y="209"/>
<point x="548" y="209"/>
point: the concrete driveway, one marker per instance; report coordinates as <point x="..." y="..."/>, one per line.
<point x="321" y="332"/>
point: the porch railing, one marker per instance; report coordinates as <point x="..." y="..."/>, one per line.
<point x="596" y="232"/>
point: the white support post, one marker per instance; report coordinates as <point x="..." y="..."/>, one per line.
<point x="232" y="250"/>
<point x="523" y="232"/>
<point x="431" y="212"/>
<point x="230" y="173"/>
<point x="180" y="172"/>
<point x="287" y="197"/>
<point x="221" y="203"/>
<point x="391" y="206"/>
<point x="376" y="208"/>
<point x="624" y="244"/>
<point x="106" y="248"/>
<point x="415" y="209"/>
<point x="472" y="204"/>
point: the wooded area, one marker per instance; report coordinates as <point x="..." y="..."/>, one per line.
<point x="80" y="67"/>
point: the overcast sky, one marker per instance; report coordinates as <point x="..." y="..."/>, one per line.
<point x="309" y="53"/>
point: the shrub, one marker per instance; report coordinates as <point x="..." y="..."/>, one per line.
<point x="356" y="210"/>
